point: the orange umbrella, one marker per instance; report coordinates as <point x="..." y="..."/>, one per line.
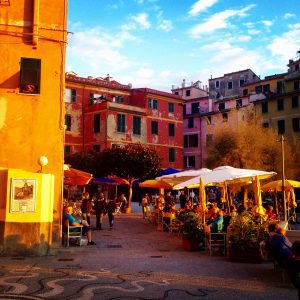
<point x="154" y="184"/>
<point x="76" y="177"/>
<point x="258" y="208"/>
<point x="202" y="196"/>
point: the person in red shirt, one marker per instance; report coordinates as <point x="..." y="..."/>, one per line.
<point x="270" y="213"/>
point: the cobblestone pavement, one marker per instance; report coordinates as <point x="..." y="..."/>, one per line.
<point x="136" y="261"/>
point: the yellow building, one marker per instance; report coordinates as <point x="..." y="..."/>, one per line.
<point x="32" y="58"/>
<point x="277" y="101"/>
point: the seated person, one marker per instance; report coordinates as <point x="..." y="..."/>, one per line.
<point x="188" y="206"/>
<point x="281" y="250"/>
<point x="212" y="213"/>
<point x="217" y="223"/>
<point x="270" y="213"/>
<point x="74" y="222"/>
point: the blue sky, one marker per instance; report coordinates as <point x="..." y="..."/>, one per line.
<point x="157" y="43"/>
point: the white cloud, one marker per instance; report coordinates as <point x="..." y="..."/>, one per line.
<point x="142" y="20"/>
<point x="253" y="31"/>
<point x="288" y="16"/>
<point x="286" y="45"/>
<point x="201" y="5"/>
<point x="96" y="50"/>
<point x="218" y="21"/>
<point x="166" y="25"/>
<point x="267" y="22"/>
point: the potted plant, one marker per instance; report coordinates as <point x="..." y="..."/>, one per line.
<point x="192" y="230"/>
<point x="244" y="234"/>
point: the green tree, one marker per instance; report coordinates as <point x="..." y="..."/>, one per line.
<point x="87" y="162"/>
<point x="250" y="146"/>
<point x="134" y="161"/>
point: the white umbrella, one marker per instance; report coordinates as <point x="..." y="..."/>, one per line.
<point x="224" y="174"/>
<point x="182" y="176"/>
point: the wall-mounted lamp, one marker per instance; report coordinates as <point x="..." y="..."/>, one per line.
<point x="43" y="161"/>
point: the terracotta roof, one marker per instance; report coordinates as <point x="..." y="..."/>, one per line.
<point x="156" y="92"/>
<point x="98" y="82"/>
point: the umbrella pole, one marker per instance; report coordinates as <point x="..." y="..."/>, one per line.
<point x="276" y="204"/>
<point x="283" y="178"/>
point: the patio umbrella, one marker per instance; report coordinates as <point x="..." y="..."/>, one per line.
<point x="225" y="174"/>
<point x="276" y="186"/>
<point x="154" y="184"/>
<point x="76" y="177"/>
<point x="258" y="208"/>
<point x="202" y="197"/>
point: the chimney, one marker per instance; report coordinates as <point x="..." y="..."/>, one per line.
<point x="183" y="83"/>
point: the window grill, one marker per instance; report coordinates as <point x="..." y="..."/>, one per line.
<point x="4" y="2"/>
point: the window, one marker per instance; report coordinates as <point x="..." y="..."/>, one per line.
<point x="184" y="109"/>
<point x="222" y="106"/>
<point x="73" y="96"/>
<point x="264" y="107"/>
<point x="208" y="120"/>
<point x="189" y="161"/>
<point x="190" y="122"/>
<point x="171" y="107"/>
<point x="295" y="102"/>
<point x="266" y="88"/>
<point x="188" y="93"/>
<point x="176" y="93"/>
<point x="280" y="87"/>
<point x="136" y="125"/>
<point x="91" y="98"/>
<point x="217" y="84"/>
<point x="191" y="140"/>
<point x="280" y="104"/>
<point x="67" y="149"/>
<point x="242" y="81"/>
<point x="171" y="130"/>
<point x="96" y="123"/>
<point x="195" y="108"/>
<point x="225" y="117"/>
<point x="154" y="127"/>
<point x="265" y="125"/>
<point x="281" y="126"/>
<point x="209" y="138"/>
<point x="245" y="92"/>
<point x="30" y="76"/>
<point x="230" y="85"/>
<point x="171" y="155"/>
<point x="96" y="148"/>
<point x="295" y="122"/>
<point x="119" y="99"/>
<point x="152" y="103"/>
<point x="258" y="89"/>
<point x="68" y="122"/>
<point x="297" y="85"/>
<point x="121" y="123"/>
<point x="239" y="103"/>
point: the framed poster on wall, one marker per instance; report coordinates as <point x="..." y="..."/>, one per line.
<point x="23" y="195"/>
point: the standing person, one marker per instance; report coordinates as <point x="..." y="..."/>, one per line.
<point x="100" y="210"/>
<point x="111" y="209"/>
<point x="86" y="207"/>
<point x="144" y="205"/>
<point x="183" y="199"/>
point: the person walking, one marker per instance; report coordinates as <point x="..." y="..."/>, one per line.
<point x="86" y="207"/>
<point x="100" y="210"/>
<point x="111" y="209"/>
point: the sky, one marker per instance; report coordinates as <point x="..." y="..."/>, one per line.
<point x="158" y="43"/>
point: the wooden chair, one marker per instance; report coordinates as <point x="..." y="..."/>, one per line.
<point x="215" y="241"/>
<point x="168" y="226"/>
<point x="72" y="232"/>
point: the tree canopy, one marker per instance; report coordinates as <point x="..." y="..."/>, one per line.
<point x="252" y="147"/>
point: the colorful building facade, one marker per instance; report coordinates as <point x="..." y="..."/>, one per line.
<point x="32" y="55"/>
<point x="105" y="114"/>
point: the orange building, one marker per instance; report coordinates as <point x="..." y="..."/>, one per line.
<point x="32" y="57"/>
<point x="102" y="113"/>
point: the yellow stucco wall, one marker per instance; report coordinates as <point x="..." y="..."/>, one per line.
<point x="33" y="125"/>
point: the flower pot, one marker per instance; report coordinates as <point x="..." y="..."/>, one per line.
<point x="251" y="256"/>
<point x="190" y="245"/>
